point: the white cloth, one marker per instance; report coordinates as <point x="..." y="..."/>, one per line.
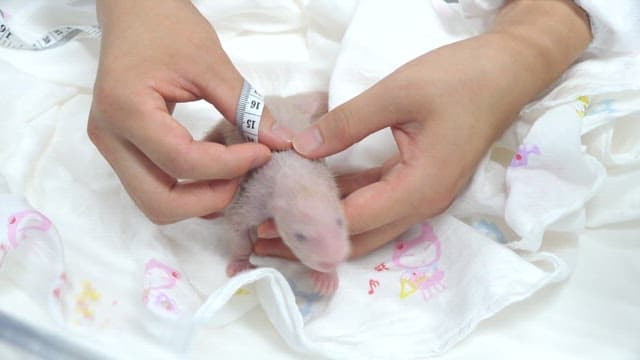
<point x="615" y="25"/>
<point x="438" y="281"/>
<point x="133" y="286"/>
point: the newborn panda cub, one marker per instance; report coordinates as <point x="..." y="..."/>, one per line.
<point x="299" y="194"/>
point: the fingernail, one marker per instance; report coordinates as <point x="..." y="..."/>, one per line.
<point x="307" y="141"/>
<point x="282" y="132"/>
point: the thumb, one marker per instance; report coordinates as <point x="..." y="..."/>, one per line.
<point x="348" y="123"/>
<point x="274" y="134"/>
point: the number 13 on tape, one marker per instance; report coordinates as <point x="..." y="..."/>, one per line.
<point x="249" y="112"/>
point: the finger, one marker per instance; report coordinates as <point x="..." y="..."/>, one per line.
<point x="273" y="247"/>
<point x="361" y="244"/>
<point x="350" y="122"/>
<point x="160" y="197"/>
<point x="397" y="194"/>
<point x="300" y="109"/>
<point x="268" y="230"/>
<point x="275" y="135"/>
<point x="224" y="94"/>
<point x="365" y="243"/>
<point x="349" y="183"/>
<point x="172" y="148"/>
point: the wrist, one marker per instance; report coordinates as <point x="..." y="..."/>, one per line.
<point x="110" y="10"/>
<point x="529" y="46"/>
<point x="547" y="36"/>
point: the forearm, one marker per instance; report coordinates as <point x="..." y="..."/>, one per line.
<point x="126" y="17"/>
<point x="111" y="10"/>
<point x="531" y="43"/>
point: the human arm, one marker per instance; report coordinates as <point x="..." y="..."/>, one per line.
<point x="445" y="109"/>
<point x="153" y="55"/>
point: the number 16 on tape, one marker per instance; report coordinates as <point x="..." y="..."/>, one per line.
<point x="249" y="112"/>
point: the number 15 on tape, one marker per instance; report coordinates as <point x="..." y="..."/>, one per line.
<point x="249" y="112"/>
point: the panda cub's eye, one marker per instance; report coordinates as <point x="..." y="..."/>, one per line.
<point x="300" y="237"/>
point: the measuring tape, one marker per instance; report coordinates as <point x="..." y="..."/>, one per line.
<point x="49" y="40"/>
<point x="249" y="112"/>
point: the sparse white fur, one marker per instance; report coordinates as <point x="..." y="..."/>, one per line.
<point x="299" y="194"/>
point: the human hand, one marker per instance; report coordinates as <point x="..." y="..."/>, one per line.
<point x="444" y="112"/>
<point x="153" y="55"/>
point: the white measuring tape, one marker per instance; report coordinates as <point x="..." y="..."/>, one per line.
<point x="49" y="40"/>
<point x="249" y="111"/>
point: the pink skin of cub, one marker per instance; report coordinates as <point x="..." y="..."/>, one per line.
<point x="301" y="197"/>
